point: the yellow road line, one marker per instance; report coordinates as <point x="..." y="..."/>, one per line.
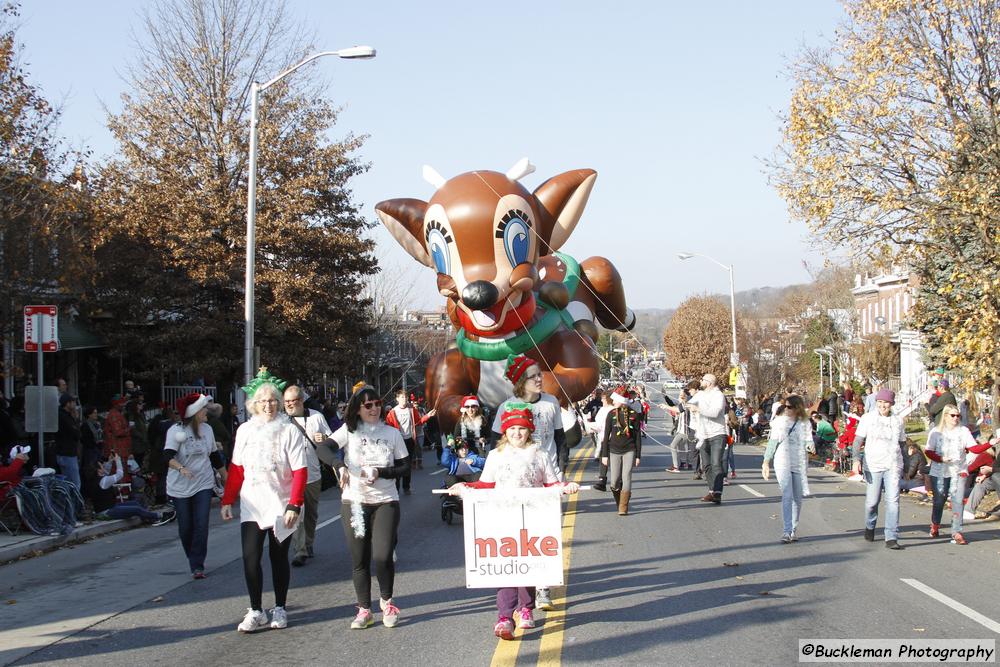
<point x="505" y="654"/>
<point x="550" y="648"/>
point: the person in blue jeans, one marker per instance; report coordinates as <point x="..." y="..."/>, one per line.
<point x="191" y="454"/>
<point x="68" y="440"/>
<point x="883" y="437"/>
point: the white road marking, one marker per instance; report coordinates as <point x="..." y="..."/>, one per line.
<point x="972" y="614"/>
<point x="438" y="472"/>
<point x="753" y="492"/>
<point x="327" y="522"/>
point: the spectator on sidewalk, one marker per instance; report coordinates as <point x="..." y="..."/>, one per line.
<point x="135" y="411"/>
<point x="12" y="473"/>
<point x="108" y="504"/>
<point x="91" y="437"/>
<point x="824" y="435"/>
<point x="191" y="455"/>
<point x="916" y="471"/>
<point x="943" y="399"/>
<point x="117" y="434"/>
<point x="68" y="440"/>
<point x="981" y="470"/>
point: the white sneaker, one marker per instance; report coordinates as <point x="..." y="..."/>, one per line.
<point x="542" y="600"/>
<point x="390" y="613"/>
<point x="253" y="621"/>
<point x="279" y="618"/>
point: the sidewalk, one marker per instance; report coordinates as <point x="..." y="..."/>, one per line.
<point x="26" y="543"/>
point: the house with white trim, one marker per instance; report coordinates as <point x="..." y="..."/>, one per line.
<point x="883" y="304"/>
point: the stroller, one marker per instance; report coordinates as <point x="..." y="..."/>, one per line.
<point x="450" y="506"/>
<point x="456" y="457"/>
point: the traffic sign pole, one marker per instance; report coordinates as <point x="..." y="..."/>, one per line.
<point x="40" y="382"/>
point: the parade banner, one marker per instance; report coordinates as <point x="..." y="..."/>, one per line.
<point x="513" y="537"/>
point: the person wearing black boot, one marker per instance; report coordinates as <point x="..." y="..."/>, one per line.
<point x="620" y="448"/>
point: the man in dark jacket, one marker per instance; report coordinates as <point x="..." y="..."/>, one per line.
<point x="68" y="440"/>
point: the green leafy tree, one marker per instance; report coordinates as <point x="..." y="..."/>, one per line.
<point x="170" y="234"/>
<point x="892" y="147"/>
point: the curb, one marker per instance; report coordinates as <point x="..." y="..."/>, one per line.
<point x="44" y="543"/>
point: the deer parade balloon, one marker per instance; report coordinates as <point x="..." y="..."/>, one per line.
<point x="495" y="248"/>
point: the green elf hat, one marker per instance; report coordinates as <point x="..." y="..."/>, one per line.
<point x="516" y="413"/>
<point x="264" y="377"/>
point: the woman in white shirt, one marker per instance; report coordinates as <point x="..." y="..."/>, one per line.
<point x="268" y="474"/>
<point x="786" y="448"/>
<point x="374" y="456"/>
<point x="947" y="445"/>
<point x="189" y="449"/>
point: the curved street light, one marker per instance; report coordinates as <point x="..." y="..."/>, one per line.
<point x="732" y="296"/>
<point x="351" y="53"/>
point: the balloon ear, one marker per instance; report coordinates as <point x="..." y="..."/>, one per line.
<point x="564" y="198"/>
<point x="404" y="218"/>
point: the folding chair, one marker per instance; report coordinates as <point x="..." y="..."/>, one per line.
<point x="124" y="492"/>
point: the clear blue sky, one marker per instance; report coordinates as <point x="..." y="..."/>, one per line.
<point x="674" y="104"/>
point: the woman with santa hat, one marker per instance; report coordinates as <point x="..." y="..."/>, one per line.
<point x="191" y="456"/>
<point x="472" y="427"/>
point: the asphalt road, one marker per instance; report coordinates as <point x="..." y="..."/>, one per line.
<point x="677" y="580"/>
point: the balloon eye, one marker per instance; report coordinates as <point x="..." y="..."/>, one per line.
<point x="514" y="229"/>
<point x="437" y="243"/>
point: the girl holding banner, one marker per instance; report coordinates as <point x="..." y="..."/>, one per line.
<point x="516" y="463"/>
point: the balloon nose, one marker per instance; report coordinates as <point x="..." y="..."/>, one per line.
<point x="480" y="295"/>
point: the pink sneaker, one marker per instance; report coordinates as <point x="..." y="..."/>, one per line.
<point x="525" y="619"/>
<point x="504" y="629"/>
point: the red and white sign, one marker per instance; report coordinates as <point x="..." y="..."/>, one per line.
<point x="47" y="334"/>
<point x="513" y="537"/>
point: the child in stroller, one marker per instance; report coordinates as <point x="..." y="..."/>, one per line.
<point x="464" y="464"/>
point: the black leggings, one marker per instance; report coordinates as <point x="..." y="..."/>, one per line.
<point x="381" y="523"/>
<point x="412" y="451"/>
<point x="253" y="551"/>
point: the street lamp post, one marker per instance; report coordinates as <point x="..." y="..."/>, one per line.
<point x="353" y="53"/>
<point x="735" y="359"/>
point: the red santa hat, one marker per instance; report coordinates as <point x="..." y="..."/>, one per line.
<point x="470" y="402"/>
<point x="189" y="405"/>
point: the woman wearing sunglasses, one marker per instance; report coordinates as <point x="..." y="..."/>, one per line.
<point x="947" y="444"/>
<point x="374" y="456"/>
